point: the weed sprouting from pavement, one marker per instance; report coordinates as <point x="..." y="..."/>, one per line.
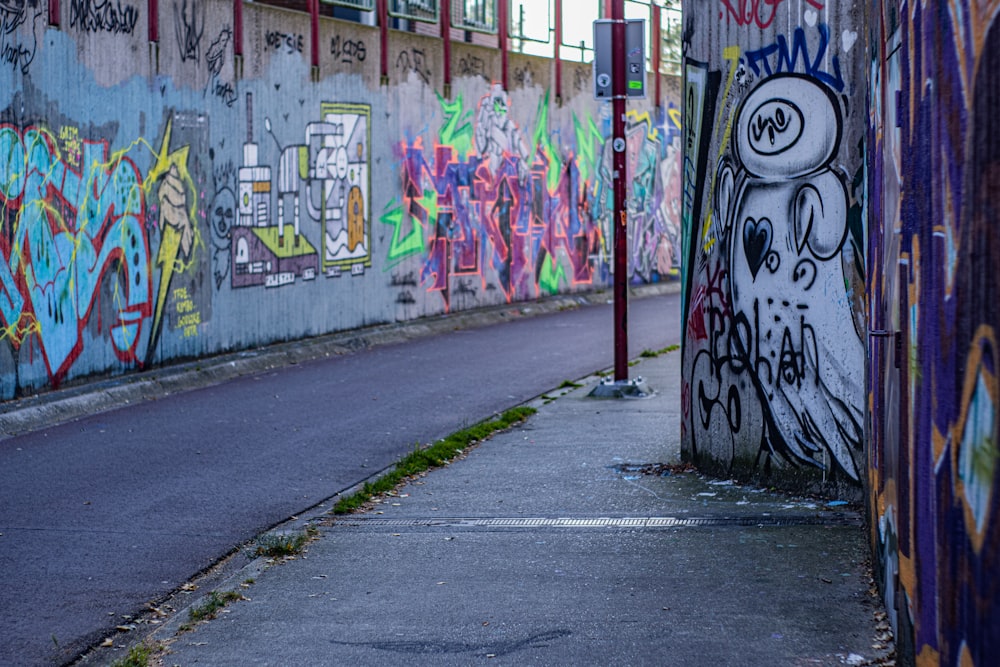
<point x="138" y="656"/>
<point x="652" y="354"/>
<point x="436" y="455"/>
<point x="275" y="545"/>
<point x="215" y="601"/>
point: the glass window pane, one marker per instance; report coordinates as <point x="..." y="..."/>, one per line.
<point x="671" y="32"/>
<point x="530" y="20"/>
<point x="366" y="5"/>
<point x="641" y="10"/>
<point x="578" y="18"/>
<point x="418" y="10"/>
<point x="478" y="15"/>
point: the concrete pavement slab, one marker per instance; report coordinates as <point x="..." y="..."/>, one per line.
<point x="551" y="544"/>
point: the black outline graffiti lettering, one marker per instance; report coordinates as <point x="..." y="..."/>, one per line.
<point x="215" y="58"/>
<point x="524" y="76"/>
<point x="471" y="65"/>
<point x="349" y="51"/>
<point x="103" y="16"/>
<point x="414" y="60"/>
<point x="14" y="52"/>
<point x="216" y="54"/>
<point x="293" y="43"/>
<point x="189" y="28"/>
<point x="13" y="13"/>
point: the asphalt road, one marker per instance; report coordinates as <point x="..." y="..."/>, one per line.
<point x="101" y="515"/>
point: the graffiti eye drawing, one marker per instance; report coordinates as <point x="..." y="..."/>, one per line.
<point x="773" y="262"/>
<point x="805" y="272"/>
<point x="777" y="125"/>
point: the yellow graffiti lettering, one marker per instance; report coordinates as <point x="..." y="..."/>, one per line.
<point x="732" y="54"/>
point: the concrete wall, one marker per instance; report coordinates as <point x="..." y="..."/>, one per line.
<point x="933" y="394"/>
<point x="168" y="201"/>
<point x="774" y="126"/>
<point x="888" y="185"/>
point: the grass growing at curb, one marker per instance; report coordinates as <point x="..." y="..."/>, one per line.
<point x="274" y="545"/>
<point x="650" y="354"/>
<point x="138" y="656"/>
<point x="210" y="607"/>
<point x="567" y="384"/>
<point x="434" y="456"/>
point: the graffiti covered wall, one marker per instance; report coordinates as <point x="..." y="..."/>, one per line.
<point x="933" y="395"/>
<point x="168" y="199"/>
<point x="773" y="135"/>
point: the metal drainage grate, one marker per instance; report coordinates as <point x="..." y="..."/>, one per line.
<point x="761" y="520"/>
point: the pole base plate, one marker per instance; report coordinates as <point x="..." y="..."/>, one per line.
<point x="609" y="388"/>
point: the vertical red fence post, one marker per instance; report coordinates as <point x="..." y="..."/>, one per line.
<point x="54" y="13"/>
<point x="238" y="28"/>
<point x="502" y="29"/>
<point x="657" y="36"/>
<point x="446" y="38"/>
<point x="154" y="21"/>
<point x="556" y="55"/>
<point x="383" y="37"/>
<point x="314" y="36"/>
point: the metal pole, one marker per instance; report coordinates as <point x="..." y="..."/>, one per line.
<point x="446" y="44"/>
<point x="502" y="19"/>
<point x="383" y="41"/>
<point x="620" y="219"/>
<point x="558" y="56"/>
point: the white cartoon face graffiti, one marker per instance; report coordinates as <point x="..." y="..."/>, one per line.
<point x="787" y="127"/>
<point x="785" y="212"/>
<point x="775" y="126"/>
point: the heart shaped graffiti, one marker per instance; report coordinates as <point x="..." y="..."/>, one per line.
<point x="756" y="242"/>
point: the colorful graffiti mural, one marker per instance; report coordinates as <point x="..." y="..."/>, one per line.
<point x="77" y="224"/>
<point x="528" y="216"/>
<point x="933" y="396"/>
<point x="774" y="342"/>
<point x="141" y="195"/>
<point x="332" y="167"/>
<point x="485" y="205"/>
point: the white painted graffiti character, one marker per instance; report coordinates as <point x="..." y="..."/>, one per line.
<point x="784" y="212"/>
<point x="497" y="135"/>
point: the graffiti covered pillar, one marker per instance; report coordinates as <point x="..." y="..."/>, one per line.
<point x="774" y="126"/>
<point x="934" y="394"/>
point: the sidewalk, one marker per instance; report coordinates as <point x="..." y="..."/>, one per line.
<point x="521" y="554"/>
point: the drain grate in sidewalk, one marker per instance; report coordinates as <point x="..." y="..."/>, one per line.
<point x="642" y="523"/>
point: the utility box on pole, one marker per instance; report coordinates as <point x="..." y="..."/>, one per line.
<point x="635" y="59"/>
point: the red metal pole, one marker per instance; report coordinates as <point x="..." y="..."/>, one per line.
<point x="620" y="220"/>
<point x="314" y="30"/>
<point x="446" y="38"/>
<point x="383" y="36"/>
<point x="54" y="13"/>
<point x="238" y="27"/>
<point x="154" y="21"/>
<point x="502" y="20"/>
<point x="559" y="6"/>
<point x="657" y="42"/>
